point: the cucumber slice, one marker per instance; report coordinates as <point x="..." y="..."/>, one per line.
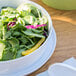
<point x="2" y="46"/>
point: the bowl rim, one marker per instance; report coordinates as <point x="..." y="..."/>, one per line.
<point x="51" y="27"/>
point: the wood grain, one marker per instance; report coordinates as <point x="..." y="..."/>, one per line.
<point x="64" y="23"/>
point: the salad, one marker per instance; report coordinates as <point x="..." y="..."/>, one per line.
<point x="22" y="31"/>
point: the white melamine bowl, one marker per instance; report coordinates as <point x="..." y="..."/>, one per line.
<point x="60" y="69"/>
<point x="7" y="67"/>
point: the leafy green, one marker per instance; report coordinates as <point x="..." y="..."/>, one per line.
<point x="29" y="19"/>
<point x="8" y="34"/>
<point x="7" y="10"/>
<point x="14" y="36"/>
<point x="7" y="54"/>
<point x="14" y="42"/>
<point x="30" y="33"/>
<point x="19" y="53"/>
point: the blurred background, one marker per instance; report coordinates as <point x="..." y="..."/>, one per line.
<point x="61" y="4"/>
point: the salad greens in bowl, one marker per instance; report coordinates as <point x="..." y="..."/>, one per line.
<point x="25" y="35"/>
<point x="22" y="30"/>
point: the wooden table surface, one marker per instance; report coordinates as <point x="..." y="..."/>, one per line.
<point x="64" y="23"/>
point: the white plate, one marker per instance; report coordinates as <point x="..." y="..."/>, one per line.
<point x="41" y="61"/>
